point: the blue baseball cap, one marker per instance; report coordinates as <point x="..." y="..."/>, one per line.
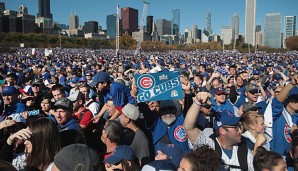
<point x="218" y="91"/>
<point x="256" y="72"/>
<point x="100" y="77"/>
<point x="122" y="152"/>
<point x="173" y="151"/>
<point x="277" y="77"/>
<point x="83" y="79"/>
<point x="9" y="90"/>
<point x="75" y="80"/>
<point x="226" y="117"/>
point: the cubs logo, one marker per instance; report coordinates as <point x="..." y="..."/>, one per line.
<point x="180" y="134"/>
<point x="287" y="133"/>
<point x="146" y="82"/>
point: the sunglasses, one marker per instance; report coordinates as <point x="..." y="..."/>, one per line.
<point x="253" y="91"/>
<point x="207" y="106"/>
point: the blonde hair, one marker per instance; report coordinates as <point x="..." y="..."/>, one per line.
<point x="250" y="118"/>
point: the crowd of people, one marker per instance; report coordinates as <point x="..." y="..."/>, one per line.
<point x="77" y="109"/>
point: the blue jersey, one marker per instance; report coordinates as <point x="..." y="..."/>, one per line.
<point x="121" y="94"/>
<point x="176" y="133"/>
<point x="18" y="107"/>
<point x="281" y="142"/>
<point x="225" y="106"/>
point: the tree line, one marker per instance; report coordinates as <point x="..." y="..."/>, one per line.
<point x="34" y="40"/>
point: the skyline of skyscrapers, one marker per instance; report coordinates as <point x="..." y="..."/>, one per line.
<point x="272" y="30"/>
<point x="44" y="7"/>
<point x="250" y="22"/>
<point x="175" y="21"/>
<point x="129" y="18"/>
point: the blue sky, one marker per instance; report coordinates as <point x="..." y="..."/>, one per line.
<point x="191" y="11"/>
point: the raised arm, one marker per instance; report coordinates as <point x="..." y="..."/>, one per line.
<point x="282" y="95"/>
<point x="192" y="115"/>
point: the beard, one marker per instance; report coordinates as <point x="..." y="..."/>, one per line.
<point x="168" y="120"/>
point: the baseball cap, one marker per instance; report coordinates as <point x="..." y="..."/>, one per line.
<point x="173" y="151"/>
<point x="256" y="72"/>
<point x="75" y="80"/>
<point x="9" y="90"/>
<point x="219" y="91"/>
<point x="100" y="77"/>
<point x="160" y="165"/>
<point x="36" y="81"/>
<point x="248" y="106"/>
<point x="251" y="86"/>
<point x="277" y="77"/>
<point x="122" y="152"/>
<point x="83" y="79"/>
<point x="77" y="95"/>
<point x="130" y="111"/>
<point x="77" y="157"/>
<point x="64" y="103"/>
<point x="226" y="117"/>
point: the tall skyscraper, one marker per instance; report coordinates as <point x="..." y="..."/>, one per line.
<point x="175" y="21"/>
<point x="226" y="34"/>
<point x="250" y="22"/>
<point x="208" y="22"/>
<point x="163" y="26"/>
<point x="25" y="22"/>
<point x="272" y="30"/>
<point x="111" y="25"/>
<point x="129" y="18"/>
<point x="290" y="27"/>
<point x="235" y="26"/>
<point x="2" y="7"/>
<point x="91" y="27"/>
<point x="258" y="28"/>
<point x="44" y="8"/>
<point x="149" y="24"/>
<point x="73" y="24"/>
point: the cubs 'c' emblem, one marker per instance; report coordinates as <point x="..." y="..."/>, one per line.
<point x="180" y="134"/>
<point x="287" y="133"/>
<point x="146" y="82"/>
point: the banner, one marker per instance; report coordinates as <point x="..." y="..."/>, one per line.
<point x="158" y="86"/>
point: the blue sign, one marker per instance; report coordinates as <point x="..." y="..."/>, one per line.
<point x="158" y="86"/>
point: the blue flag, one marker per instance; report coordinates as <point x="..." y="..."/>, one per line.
<point x="159" y="86"/>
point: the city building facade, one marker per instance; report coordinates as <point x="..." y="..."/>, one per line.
<point x="272" y="30"/>
<point x="250" y="22"/>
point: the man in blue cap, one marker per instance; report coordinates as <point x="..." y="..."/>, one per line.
<point x="116" y="91"/>
<point x="11" y="103"/>
<point x="226" y="138"/>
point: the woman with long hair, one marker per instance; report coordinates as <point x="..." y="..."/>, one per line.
<point x="268" y="161"/>
<point x="42" y="142"/>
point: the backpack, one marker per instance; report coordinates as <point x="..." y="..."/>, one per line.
<point x="241" y="153"/>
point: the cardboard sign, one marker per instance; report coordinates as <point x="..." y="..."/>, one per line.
<point x="159" y="86"/>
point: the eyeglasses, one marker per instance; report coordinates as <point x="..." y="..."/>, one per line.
<point x="236" y="127"/>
